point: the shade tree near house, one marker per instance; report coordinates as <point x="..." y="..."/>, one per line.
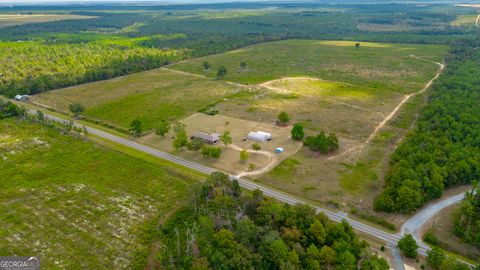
<point x="195" y="145"/>
<point x="211" y="151"/>
<point x="181" y="138"/>
<point x="226" y="138"/>
<point x="223" y="228"/>
<point x="163" y="128"/>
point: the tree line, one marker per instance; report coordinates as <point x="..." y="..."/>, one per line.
<point x="34" y="67"/>
<point x="443" y="150"/>
<point x="223" y="228"/>
<point x="467" y="218"/>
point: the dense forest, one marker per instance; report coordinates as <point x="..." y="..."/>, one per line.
<point x="124" y="39"/>
<point x="32" y="67"/>
<point x="467" y="218"/>
<point x="443" y="150"/>
<point x="222" y="228"/>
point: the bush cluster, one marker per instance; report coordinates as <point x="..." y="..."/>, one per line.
<point x="222" y="228"/>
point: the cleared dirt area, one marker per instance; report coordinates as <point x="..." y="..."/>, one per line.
<point x="230" y="159"/>
<point x="17" y="19"/>
<point x="364" y="95"/>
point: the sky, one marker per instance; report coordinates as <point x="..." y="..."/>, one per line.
<point x="100" y="1"/>
<point x="88" y="1"/>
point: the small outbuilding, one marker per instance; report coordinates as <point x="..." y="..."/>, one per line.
<point x="206" y="138"/>
<point x="21" y="97"/>
<point x="259" y="136"/>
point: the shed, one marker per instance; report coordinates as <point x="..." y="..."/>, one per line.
<point x="206" y="138"/>
<point x="259" y="136"/>
<point x="21" y="97"/>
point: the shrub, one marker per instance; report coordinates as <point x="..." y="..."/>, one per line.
<point x="322" y="143"/>
<point x="297" y="132"/>
<point x="283" y="118"/>
<point x="211" y="151"/>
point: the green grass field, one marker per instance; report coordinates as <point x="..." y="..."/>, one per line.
<point x="376" y="65"/>
<point x="77" y="205"/>
<point x="148" y="96"/>
<point x="465" y="20"/>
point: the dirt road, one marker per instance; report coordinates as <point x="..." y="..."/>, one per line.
<point x="405" y="99"/>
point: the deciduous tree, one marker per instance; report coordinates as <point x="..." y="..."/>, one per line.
<point x="136" y="128"/>
<point x="408" y="246"/>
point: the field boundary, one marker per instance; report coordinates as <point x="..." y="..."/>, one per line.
<point x="395" y="110"/>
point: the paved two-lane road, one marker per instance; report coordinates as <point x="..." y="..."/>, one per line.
<point x="336" y="216"/>
<point x="411" y="226"/>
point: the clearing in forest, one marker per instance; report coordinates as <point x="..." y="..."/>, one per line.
<point x="335" y="87"/>
<point x="331" y="86"/>
<point x="374" y="65"/>
<point x="17" y="19"/>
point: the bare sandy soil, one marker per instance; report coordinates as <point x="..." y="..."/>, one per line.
<point x="262" y="161"/>
<point x="18" y="19"/>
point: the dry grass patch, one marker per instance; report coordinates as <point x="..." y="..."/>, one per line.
<point x="18" y="19"/>
<point x="148" y="96"/>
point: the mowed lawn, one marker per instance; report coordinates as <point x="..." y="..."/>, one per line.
<point x="375" y="65"/>
<point x="76" y="205"/>
<point x="148" y="96"/>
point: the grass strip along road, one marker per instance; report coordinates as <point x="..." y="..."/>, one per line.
<point x="389" y="238"/>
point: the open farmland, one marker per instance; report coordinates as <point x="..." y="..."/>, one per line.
<point x="17" y="19"/>
<point x="333" y="87"/>
<point x="77" y="205"/>
<point x="336" y="88"/>
<point x="374" y="65"/>
<point x="148" y="96"/>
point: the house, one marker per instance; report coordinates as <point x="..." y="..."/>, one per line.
<point x="206" y="138"/>
<point x="21" y="97"/>
<point x="259" y="136"/>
